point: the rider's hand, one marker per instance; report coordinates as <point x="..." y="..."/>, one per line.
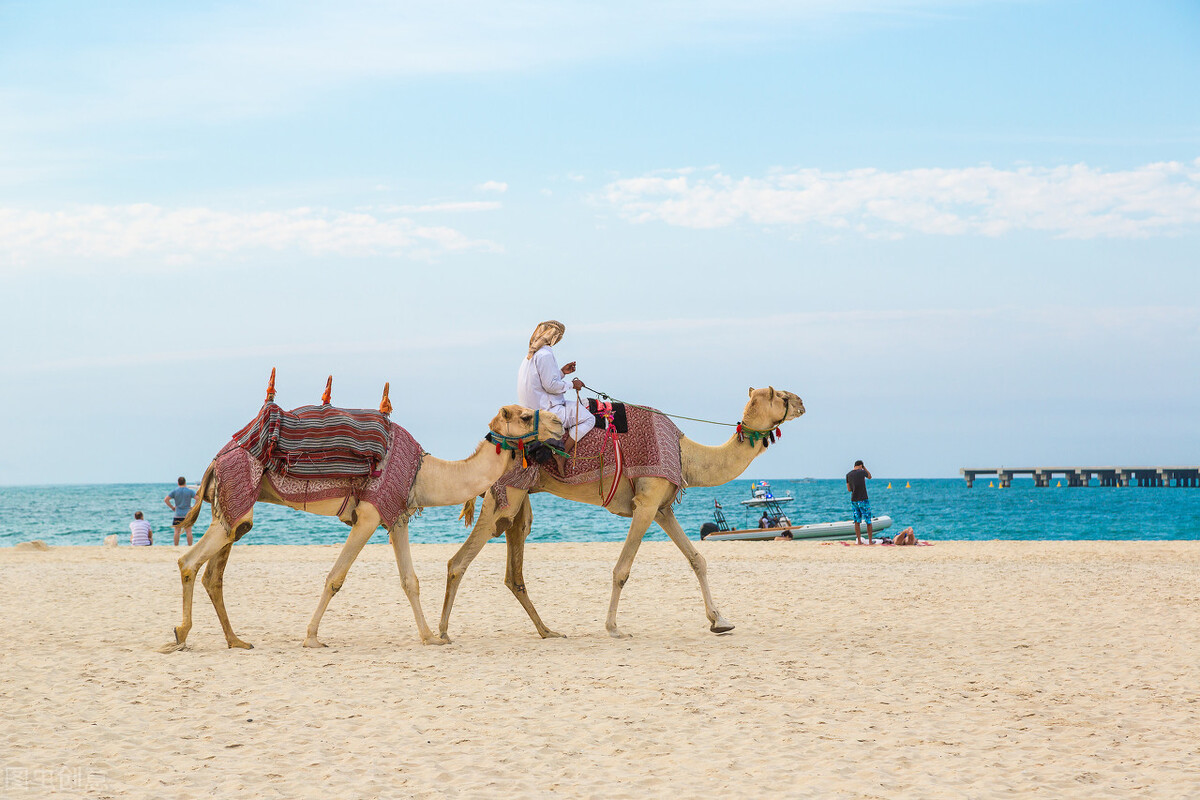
<point x="576" y="384"/>
<point x="568" y="368"/>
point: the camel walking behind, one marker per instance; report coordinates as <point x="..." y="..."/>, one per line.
<point x="644" y="499"/>
<point x="437" y="483"/>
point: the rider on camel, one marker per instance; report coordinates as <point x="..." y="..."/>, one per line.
<point x="541" y="382"/>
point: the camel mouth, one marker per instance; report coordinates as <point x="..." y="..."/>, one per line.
<point x="795" y="406"/>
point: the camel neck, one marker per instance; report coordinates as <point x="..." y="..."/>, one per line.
<point x="448" y="483"/>
<point x="704" y="465"/>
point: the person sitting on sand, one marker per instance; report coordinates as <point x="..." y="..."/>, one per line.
<point x="140" y="532"/>
<point x="905" y="536"/>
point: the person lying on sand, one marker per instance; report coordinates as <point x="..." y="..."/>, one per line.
<point x="906" y="536"/>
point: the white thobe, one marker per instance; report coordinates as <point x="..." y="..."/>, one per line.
<point x="540" y="385"/>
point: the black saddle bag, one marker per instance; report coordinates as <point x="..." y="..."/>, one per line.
<point x="620" y="420"/>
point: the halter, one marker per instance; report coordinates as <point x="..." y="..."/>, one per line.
<point x="768" y="436"/>
<point x="517" y="444"/>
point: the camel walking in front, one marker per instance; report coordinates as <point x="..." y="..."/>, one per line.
<point x="438" y="483"/>
<point x="647" y="500"/>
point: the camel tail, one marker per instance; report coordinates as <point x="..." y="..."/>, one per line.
<point x="201" y="496"/>
<point x="467" y="515"/>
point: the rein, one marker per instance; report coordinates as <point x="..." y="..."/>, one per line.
<point x="767" y="437"/>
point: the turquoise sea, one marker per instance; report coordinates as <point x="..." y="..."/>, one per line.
<point x="938" y="508"/>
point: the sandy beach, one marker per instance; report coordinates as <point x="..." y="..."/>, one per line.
<point x="960" y="670"/>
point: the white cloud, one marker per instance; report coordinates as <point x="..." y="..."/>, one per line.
<point x="450" y="207"/>
<point x="492" y="186"/>
<point x="1075" y="201"/>
<point x="177" y="236"/>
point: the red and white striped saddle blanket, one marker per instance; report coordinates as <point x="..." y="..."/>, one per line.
<point x="316" y="441"/>
<point x="389" y="487"/>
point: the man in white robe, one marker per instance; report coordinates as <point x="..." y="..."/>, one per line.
<point x="541" y="383"/>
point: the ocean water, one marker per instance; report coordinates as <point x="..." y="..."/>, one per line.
<point x="938" y="508"/>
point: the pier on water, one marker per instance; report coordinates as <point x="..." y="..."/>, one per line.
<point x="1083" y="476"/>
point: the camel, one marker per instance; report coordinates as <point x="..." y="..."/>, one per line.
<point x="648" y="499"/>
<point x="437" y="483"/>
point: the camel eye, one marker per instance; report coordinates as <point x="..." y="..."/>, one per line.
<point x="526" y="417"/>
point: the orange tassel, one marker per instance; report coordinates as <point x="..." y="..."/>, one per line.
<point x="385" y="405"/>
<point x="271" y="388"/>
<point x="328" y="391"/>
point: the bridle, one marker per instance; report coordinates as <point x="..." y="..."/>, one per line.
<point x="520" y="444"/>
<point x="768" y="436"/>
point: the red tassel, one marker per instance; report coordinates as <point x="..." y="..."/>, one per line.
<point x="497" y="448"/>
<point x="778" y="433"/>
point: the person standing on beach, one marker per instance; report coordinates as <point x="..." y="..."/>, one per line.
<point x="140" y="532"/>
<point x="541" y="382"/>
<point x="856" y="485"/>
<point x="179" y="500"/>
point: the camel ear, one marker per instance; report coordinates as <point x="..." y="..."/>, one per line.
<point x="507" y="414"/>
<point x="751" y="392"/>
<point x="772" y="388"/>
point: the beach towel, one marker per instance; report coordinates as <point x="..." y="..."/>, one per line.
<point x="650" y="448"/>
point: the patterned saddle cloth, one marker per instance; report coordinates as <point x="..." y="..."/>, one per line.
<point x="316" y="441"/>
<point x="649" y="448"/>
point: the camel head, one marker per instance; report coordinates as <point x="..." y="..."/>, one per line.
<point x="518" y="428"/>
<point x="516" y="422"/>
<point x="768" y="408"/>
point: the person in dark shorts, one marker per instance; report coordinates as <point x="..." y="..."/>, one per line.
<point x="179" y="500"/>
<point x="856" y="485"/>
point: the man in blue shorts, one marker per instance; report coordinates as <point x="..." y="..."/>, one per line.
<point x="856" y="485"/>
<point x="179" y="500"/>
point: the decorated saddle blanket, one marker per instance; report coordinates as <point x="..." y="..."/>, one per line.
<point x="316" y="441"/>
<point x="389" y="489"/>
<point x="649" y="448"/>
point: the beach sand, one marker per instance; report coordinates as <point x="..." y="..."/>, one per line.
<point x="967" y="669"/>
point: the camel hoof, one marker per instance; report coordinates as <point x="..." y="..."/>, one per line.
<point x="549" y="634"/>
<point x="436" y="640"/>
<point x="172" y="647"/>
<point x="311" y="641"/>
<point x="616" y="634"/>
<point x="240" y="644"/>
<point x="721" y="626"/>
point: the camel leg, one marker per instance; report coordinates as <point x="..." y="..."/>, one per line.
<point x="491" y="522"/>
<point x="666" y="519"/>
<point x="643" y="515"/>
<point x="514" y="577"/>
<point x="408" y="579"/>
<point x="214" y="584"/>
<point x="368" y="521"/>
<point x="216" y="537"/>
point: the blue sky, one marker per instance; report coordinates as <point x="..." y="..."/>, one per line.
<point x="965" y="233"/>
